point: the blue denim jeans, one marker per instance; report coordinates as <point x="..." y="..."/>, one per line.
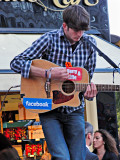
<point x="65" y="134"/>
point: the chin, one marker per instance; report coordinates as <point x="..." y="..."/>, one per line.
<point x="76" y="40"/>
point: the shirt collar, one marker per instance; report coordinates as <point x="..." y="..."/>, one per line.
<point x="61" y="32"/>
<point x="87" y="146"/>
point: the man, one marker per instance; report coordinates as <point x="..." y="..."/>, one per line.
<point x="89" y="134"/>
<point x="63" y="126"/>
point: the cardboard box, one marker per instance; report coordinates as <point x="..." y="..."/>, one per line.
<point x="10" y="107"/>
<point x="16" y="117"/>
<point x="26" y="114"/>
<point x="35" y="132"/>
<point x="19" y="149"/>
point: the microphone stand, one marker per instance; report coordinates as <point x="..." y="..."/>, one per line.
<point x="104" y="56"/>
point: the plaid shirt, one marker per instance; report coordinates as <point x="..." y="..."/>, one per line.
<point x="55" y="47"/>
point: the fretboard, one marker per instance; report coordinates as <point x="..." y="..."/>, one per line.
<point x="100" y="87"/>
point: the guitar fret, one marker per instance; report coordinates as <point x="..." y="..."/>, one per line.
<point x="103" y="88"/>
<point x="81" y="87"/>
<point x="113" y="88"/>
<point x="100" y="87"/>
<point x="78" y="87"/>
<point x="117" y="88"/>
<point x="108" y="88"/>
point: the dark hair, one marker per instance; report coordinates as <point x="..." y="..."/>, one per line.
<point x="4" y="142"/>
<point x="110" y="143"/>
<point x="76" y="17"/>
<point x="88" y="128"/>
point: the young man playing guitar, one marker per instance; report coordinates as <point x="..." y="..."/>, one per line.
<point x="64" y="127"/>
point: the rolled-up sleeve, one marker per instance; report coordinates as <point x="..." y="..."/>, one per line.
<point x="22" y="62"/>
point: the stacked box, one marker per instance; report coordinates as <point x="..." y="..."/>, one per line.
<point x="35" y="132"/>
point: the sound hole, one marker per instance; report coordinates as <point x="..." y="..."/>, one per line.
<point x="68" y="86"/>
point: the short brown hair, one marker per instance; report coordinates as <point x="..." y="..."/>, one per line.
<point x="76" y="17"/>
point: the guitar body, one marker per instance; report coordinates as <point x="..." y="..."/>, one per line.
<point x="34" y="88"/>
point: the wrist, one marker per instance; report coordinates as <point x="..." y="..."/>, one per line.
<point x="46" y="72"/>
<point x="49" y="74"/>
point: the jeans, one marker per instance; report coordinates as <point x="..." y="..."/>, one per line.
<point x="65" y="134"/>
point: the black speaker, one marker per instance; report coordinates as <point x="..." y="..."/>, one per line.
<point x="107" y="116"/>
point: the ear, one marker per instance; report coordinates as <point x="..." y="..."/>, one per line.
<point x="89" y="135"/>
<point x="64" y="25"/>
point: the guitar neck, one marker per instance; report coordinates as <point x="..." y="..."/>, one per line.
<point x="100" y="87"/>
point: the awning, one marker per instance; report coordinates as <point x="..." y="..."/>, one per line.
<point x="12" y="45"/>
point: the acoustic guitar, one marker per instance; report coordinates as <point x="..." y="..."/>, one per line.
<point x="62" y="93"/>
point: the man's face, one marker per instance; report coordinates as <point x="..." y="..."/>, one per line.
<point x="72" y="35"/>
<point x="91" y="139"/>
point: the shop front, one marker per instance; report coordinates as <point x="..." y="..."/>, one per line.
<point x="18" y="30"/>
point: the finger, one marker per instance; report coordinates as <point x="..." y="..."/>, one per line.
<point x="88" y="91"/>
<point x="93" y="90"/>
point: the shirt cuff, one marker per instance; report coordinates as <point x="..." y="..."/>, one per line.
<point x="90" y="99"/>
<point x="26" y="69"/>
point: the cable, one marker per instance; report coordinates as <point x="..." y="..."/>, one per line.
<point x="7" y="94"/>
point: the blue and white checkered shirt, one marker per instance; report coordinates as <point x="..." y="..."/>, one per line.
<point x="57" y="49"/>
